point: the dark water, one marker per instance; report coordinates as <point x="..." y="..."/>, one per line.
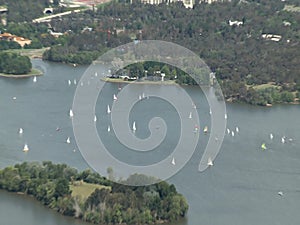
<point x="241" y="188"/>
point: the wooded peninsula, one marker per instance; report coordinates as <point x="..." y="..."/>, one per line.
<point x="90" y="197"/>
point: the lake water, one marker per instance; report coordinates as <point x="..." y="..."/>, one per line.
<point x="241" y="188"/>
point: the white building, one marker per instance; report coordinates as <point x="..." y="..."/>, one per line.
<point x="187" y="3"/>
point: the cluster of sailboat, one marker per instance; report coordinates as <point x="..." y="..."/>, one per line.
<point x="284" y="139"/>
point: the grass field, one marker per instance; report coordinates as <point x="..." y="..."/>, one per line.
<point x="85" y="189"/>
<point x="292" y="8"/>
<point x="263" y="86"/>
<point x="32" y="53"/>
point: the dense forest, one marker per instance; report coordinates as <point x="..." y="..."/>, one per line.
<point x="13" y="63"/>
<point x="249" y="68"/>
<point x="112" y="203"/>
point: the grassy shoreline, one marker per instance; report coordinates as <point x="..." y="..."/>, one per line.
<point x="33" y="72"/>
<point x="119" y="80"/>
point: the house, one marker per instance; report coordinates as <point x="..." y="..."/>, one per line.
<point x="10" y="37"/>
<point x="271" y="37"/>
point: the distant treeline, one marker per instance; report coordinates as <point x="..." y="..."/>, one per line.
<point x="120" y="204"/>
<point x="239" y="56"/>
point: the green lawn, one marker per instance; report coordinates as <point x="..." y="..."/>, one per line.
<point x="32" y="53"/>
<point x="84" y="189"/>
<point x="264" y="86"/>
<point x="292" y="8"/>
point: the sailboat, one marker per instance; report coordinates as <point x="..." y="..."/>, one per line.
<point x="263" y="146"/>
<point x="173" y="161"/>
<point x="95" y="118"/>
<point x="96" y="74"/>
<point x="21" y="131"/>
<point x="237" y="129"/>
<point x="69" y="82"/>
<point x="26" y="148"/>
<point x="210" y="112"/>
<point x="140" y="97"/>
<point x="68" y="140"/>
<point x="108" y="109"/>
<point x="115" y="97"/>
<point x="190" y="116"/>
<point x="225" y="116"/>
<point x="108" y="128"/>
<point x="34" y="79"/>
<point x="271" y="136"/>
<point x="205" y="130"/>
<point x="71" y="114"/>
<point x="75" y="81"/>
<point x="143" y="95"/>
<point x="283" y="140"/>
<point x="228" y="131"/>
<point x="134" y="127"/>
<point x="210" y="162"/>
<point x="232" y="133"/>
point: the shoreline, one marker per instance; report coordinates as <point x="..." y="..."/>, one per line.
<point x="118" y="80"/>
<point x="33" y="72"/>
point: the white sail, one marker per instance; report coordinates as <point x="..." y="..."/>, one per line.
<point x="134" y="127"/>
<point x="21" y="131"/>
<point x="75" y="81"/>
<point x="190" y="116"/>
<point x="225" y="116"/>
<point x="210" y="112"/>
<point x="115" y="97"/>
<point x="26" y="148"/>
<point x="69" y="82"/>
<point x="108" y="128"/>
<point x="140" y="97"/>
<point x="173" y="162"/>
<point x="210" y="162"/>
<point x="71" y="114"/>
<point x="95" y="118"/>
<point x="205" y="130"/>
<point x="283" y="140"/>
<point x="96" y="74"/>
<point x="34" y="79"/>
<point x="108" y="110"/>
<point x="228" y="131"/>
<point x="68" y="140"/>
<point x="237" y="129"/>
<point x="271" y="136"/>
<point x="232" y="133"/>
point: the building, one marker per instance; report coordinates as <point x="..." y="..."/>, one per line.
<point x="186" y="3"/>
<point x="10" y="37"/>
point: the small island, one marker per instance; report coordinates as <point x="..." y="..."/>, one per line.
<point x="16" y="66"/>
<point x="90" y="197"/>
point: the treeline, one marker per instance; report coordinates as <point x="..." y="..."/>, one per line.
<point x="13" y="63"/>
<point x="119" y="204"/>
<point x="238" y="55"/>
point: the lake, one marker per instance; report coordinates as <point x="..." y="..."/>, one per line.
<point x="241" y="188"/>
